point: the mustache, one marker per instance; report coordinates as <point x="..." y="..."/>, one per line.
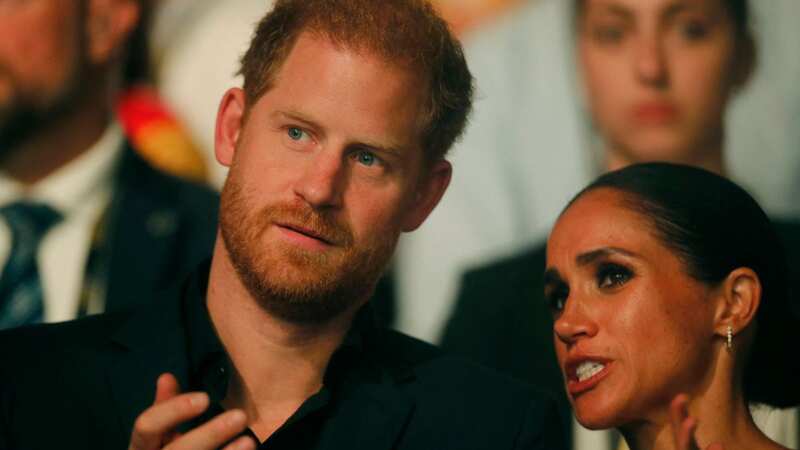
<point x="309" y="221"/>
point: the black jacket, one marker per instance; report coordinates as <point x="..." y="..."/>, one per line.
<point x="159" y="228"/>
<point x="81" y="385"/>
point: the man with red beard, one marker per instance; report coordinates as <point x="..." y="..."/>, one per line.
<point x="335" y="146"/>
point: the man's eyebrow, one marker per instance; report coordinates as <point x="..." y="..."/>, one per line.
<point x="391" y="148"/>
<point x="584" y="259"/>
<point x="296" y="116"/>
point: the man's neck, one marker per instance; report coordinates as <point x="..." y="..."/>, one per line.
<point x="278" y="365"/>
<point x="57" y="144"/>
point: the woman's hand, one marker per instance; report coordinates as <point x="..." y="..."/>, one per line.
<point x="684" y="426"/>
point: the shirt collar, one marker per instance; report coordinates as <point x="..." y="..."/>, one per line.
<point x="68" y="187"/>
<point x="208" y="362"/>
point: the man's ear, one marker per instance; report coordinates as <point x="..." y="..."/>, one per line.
<point x="109" y="24"/>
<point x="230" y="121"/>
<point x="740" y="295"/>
<point x="429" y="192"/>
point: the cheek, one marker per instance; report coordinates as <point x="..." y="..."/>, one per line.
<point x="704" y="85"/>
<point x="46" y="58"/>
<point x="374" y="213"/>
<point x="606" y="86"/>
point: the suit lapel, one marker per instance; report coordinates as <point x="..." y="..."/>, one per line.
<point x="153" y="343"/>
<point x="371" y="417"/>
<point x="143" y="226"/>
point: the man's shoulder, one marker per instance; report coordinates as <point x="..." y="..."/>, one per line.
<point x="460" y="404"/>
<point x="427" y="364"/>
<point x="138" y="181"/>
<point x="45" y="340"/>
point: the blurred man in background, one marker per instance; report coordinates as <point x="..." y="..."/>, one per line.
<point x="85" y="224"/>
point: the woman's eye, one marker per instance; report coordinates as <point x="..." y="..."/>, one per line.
<point x="694" y="30"/>
<point x="612" y="275"/>
<point x="608" y="34"/>
<point x="557" y="299"/>
<point x="295" y="133"/>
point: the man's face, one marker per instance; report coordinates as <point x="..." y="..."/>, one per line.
<point x="41" y="60"/>
<point x="326" y="171"/>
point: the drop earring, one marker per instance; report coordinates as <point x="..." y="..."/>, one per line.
<point x="729" y="342"/>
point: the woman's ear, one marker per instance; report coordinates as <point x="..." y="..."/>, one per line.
<point x="745" y="62"/>
<point x="740" y="297"/>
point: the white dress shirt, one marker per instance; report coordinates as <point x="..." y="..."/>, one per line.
<point x="80" y="191"/>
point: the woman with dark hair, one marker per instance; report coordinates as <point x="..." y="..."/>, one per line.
<point x="670" y="295"/>
<point x="657" y="78"/>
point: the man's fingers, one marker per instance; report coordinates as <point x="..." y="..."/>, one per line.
<point x="166" y="387"/>
<point x="156" y="423"/>
<point x="243" y="443"/>
<point x="213" y="433"/>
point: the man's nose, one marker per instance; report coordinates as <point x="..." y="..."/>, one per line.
<point x="322" y="181"/>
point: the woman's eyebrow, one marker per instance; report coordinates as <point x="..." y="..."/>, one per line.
<point x="585" y="259"/>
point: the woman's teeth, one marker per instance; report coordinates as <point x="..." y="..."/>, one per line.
<point x="588" y="369"/>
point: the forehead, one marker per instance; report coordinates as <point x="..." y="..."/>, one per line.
<point x="650" y="7"/>
<point x="349" y="89"/>
<point x="600" y="219"/>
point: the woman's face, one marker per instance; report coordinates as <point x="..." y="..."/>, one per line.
<point x="658" y="75"/>
<point x="632" y="328"/>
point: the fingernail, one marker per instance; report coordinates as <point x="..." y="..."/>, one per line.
<point x="199" y="399"/>
<point x="245" y="444"/>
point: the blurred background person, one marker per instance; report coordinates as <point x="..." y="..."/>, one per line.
<point x="530" y="146"/>
<point x="658" y="76"/>
<point x="669" y="290"/>
<point x="86" y="224"/>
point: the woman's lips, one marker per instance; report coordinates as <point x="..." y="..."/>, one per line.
<point x="577" y="386"/>
<point x="655" y="113"/>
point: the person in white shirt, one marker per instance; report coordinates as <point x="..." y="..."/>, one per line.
<point x="116" y="228"/>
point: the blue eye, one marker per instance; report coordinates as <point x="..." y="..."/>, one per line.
<point x="366" y="158"/>
<point x="295" y="133"/>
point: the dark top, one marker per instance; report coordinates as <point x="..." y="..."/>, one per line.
<point x="210" y="369"/>
<point x="85" y="382"/>
<point x="501" y="319"/>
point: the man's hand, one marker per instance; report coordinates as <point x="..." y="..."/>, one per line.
<point x="684" y="426"/>
<point x="154" y="429"/>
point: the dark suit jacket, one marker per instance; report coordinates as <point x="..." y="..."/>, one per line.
<point x="501" y="318"/>
<point x="159" y="228"/>
<point x="81" y="385"/>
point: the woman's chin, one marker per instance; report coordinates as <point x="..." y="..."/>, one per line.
<point x="597" y="418"/>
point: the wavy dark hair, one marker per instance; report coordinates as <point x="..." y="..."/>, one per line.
<point x="714" y="227"/>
